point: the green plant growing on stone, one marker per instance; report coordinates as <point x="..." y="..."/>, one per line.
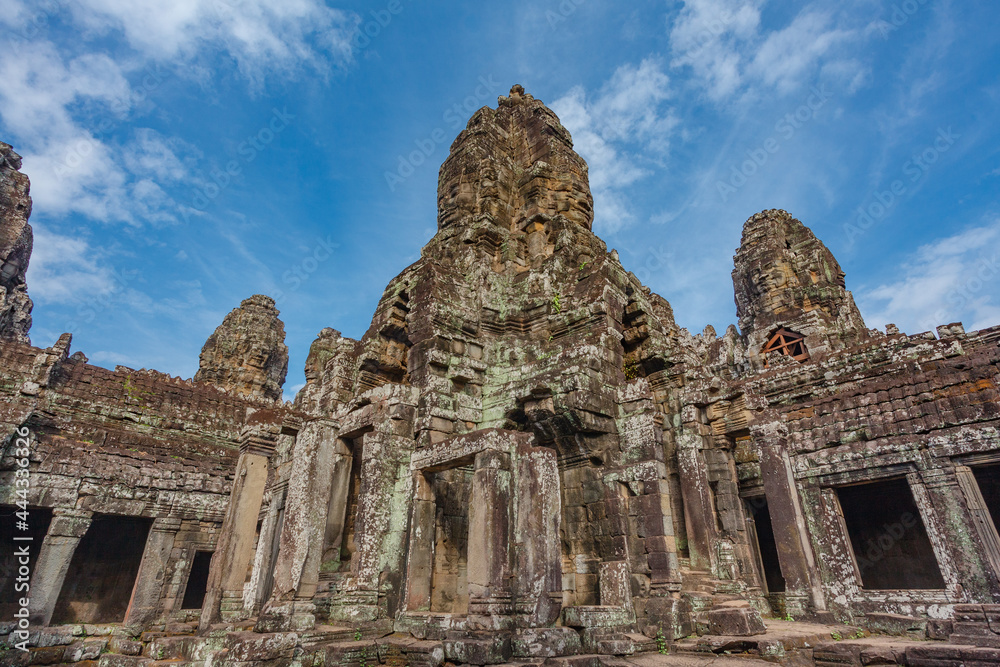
<point x="363" y="662"/>
<point x="631" y="369"/>
<point x="582" y="264"/>
<point x="859" y="634"/>
<point x="836" y="636"/>
<point x="357" y="635"/>
<point x="556" y="304"/>
<point x="661" y="642"/>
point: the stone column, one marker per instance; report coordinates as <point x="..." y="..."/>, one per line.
<point x="68" y="526"/>
<point x="239" y="528"/>
<point x="262" y="579"/>
<point x="420" y="560"/>
<point x="538" y="582"/>
<point x="489" y="539"/>
<point x="951" y="532"/>
<point x="795" y="554"/>
<point x="145" y="607"/>
<point x="300" y="551"/>
<point x="699" y="511"/>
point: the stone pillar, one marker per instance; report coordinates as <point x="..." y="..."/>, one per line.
<point x="790" y="535"/>
<point x="538" y="581"/>
<point x="489" y="539"/>
<point x="300" y="551"/>
<point x="420" y="560"/>
<point x="239" y="528"/>
<point x="145" y="607"/>
<point x="68" y="526"/>
<point x="262" y="579"/>
<point x="382" y="550"/>
<point x="952" y="534"/>
<point x="699" y="511"/>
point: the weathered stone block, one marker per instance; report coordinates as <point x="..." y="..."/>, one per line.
<point x="494" y="651"/>
<point x="737" y="619"/>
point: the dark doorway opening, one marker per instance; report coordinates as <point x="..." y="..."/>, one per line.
<point x="101" y="576"/>
<point x="14" y="539"/>
<point x="988" y="478"/>
<point x="197" y="584"/>
<point x="767" y="548"/>
<point x="888" y="537"/>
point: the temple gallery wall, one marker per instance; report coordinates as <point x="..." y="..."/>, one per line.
<point x="523" y="460"/>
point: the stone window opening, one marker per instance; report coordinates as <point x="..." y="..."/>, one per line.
<point x="197" y="582"/>
<point x="891" y="548"/>
<point x="103" y="571"/>
<point x="788" y="343"/>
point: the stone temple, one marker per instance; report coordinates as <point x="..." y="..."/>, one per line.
<point x="524" y="460"/>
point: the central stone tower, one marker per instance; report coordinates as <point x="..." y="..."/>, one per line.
<point x="488" y="456"/>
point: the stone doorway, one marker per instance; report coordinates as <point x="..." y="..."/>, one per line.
<point x="102" y="573"/>
<point x="450" y="574"/>
<point x="439" y="565"/>
<point x="765" y="546"/>
<point x="197" y="583"/>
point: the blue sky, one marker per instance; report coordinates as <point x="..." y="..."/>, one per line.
<point x="186" y="155"/>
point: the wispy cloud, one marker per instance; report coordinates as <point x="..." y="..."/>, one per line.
<point x="627" y="115"/>
<point x="66" y="270"/>
<point x="722" y="42"/>
<point x="262" y="37"/>
<point x="956" y="278"/>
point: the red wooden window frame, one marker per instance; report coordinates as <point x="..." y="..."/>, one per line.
<point x="788" y="343"/>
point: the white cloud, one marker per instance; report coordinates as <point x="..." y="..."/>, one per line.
<point x="728" y="52"/>
<point x="706" y="37"/>
<point x="261" y="36"/>
<point x="956" y="278"/>
<point x="66" y="270"/>
<point x="787" y="56"/>
<point x="50" y="101"/>
<point x="625" y="114"/>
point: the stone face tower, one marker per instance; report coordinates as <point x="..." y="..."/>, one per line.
<point x="247" y="354"/>
<point x="788" y="286"/>
<point x="502" y="396"/>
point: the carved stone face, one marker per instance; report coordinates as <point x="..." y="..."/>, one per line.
<point x="516" y="164"/>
